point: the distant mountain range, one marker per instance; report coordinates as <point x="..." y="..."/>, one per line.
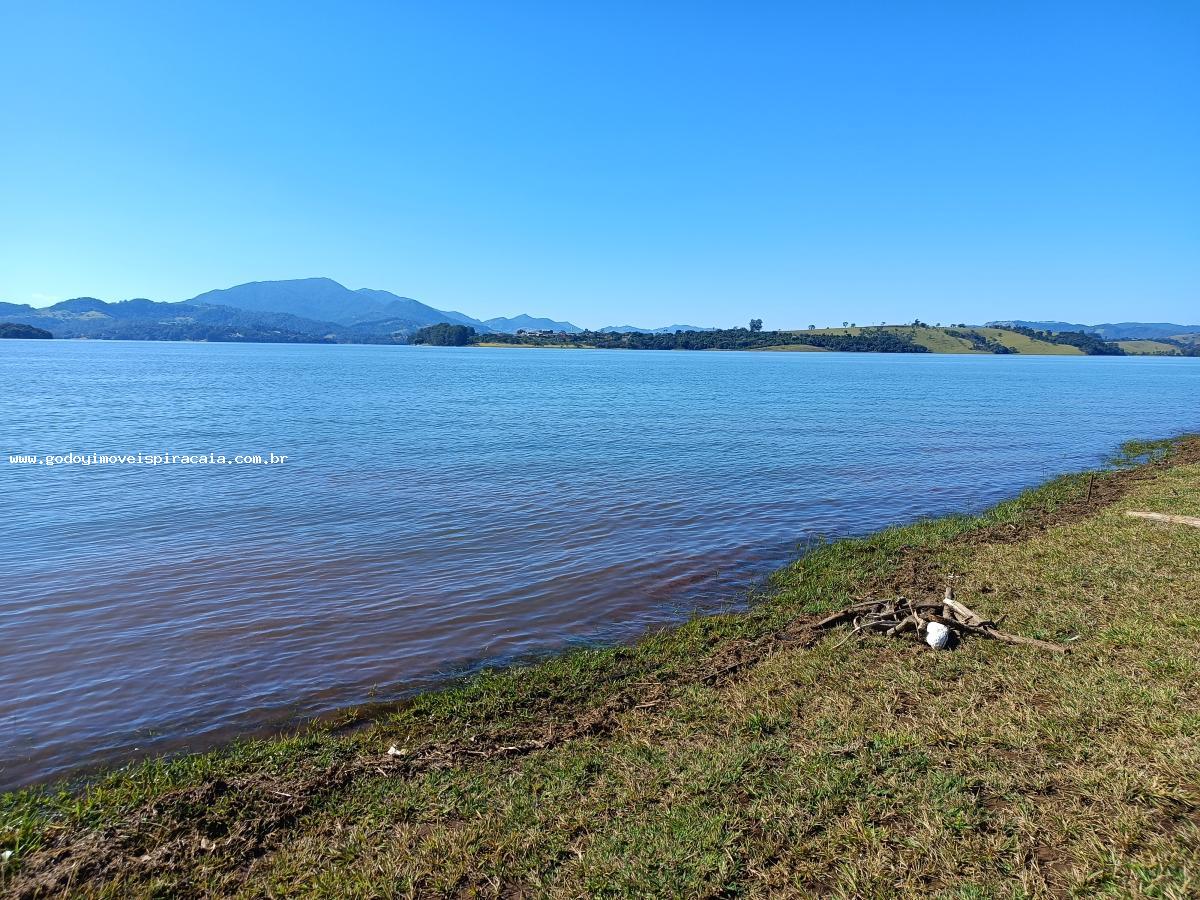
<point x="324" y="300"/>
<point x="87" y="317"/>
<point x="1119" y="331"/>
<point x="322" y="310"/>
<point x="529" y="323"/>
<point x="298" y="310"/>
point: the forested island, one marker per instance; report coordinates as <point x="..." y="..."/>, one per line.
<point x="13" y="330"/>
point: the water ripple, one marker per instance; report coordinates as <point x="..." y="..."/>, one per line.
<point x="441" y="509"/>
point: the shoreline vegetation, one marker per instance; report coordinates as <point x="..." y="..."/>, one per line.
<point x="323" y="311"/>
<point x="749" y="753"/>
<point x="917" y="337"/>
<point x="88" y="319"/>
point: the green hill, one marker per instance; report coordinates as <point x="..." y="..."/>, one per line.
<point x="1148" y="348"/>
<point x="939" y="339"/>
<point x="1020" y="343"/>
<point x="13" y="330"/>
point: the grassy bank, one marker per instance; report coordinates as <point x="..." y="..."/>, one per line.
<point x="1149" y="348"/>
<point x="743" y="754"/>
<point x="939" y="339"/>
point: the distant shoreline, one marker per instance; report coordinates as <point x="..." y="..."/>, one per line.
<point x="915" y="338"/>
<point x="1141" y="352"/>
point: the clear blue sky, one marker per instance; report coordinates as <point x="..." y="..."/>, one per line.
<point x="612" y="162"/>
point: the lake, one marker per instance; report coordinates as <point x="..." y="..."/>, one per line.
<point x="444" y="508"/>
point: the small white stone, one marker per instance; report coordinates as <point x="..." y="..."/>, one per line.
<point x="395" y="751"/>
<point x="937" y="636"/>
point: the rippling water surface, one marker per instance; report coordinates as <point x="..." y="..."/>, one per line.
<point x="441" y="508"/>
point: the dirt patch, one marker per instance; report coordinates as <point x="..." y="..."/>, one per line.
<point x="1052" y="865"/>
<point x="218" y="828"/>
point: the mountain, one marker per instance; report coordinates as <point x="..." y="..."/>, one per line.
<point x="320" y="299"/>
<point x="87" y="317"/>
<point x="392" y="306"/>
<point x="305" y="309"/>
<point x="298" y="309"/>
<point x="302" y="309"/>
<point x="529" y="323"/>
<point x="325" y="300"/>
<point x="666" y="329"/>
<point x="1110" y="331"/>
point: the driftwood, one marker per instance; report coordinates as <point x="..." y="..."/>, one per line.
<point x="1163" y="517"/>
<point x="900" y="616"/>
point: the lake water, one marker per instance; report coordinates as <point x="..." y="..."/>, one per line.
<point x="444" y="508"/>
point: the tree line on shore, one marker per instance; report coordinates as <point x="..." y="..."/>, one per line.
<point x="1088" y="343"/>
<point x="872" y="339"/>
<point x="869" y="340"/>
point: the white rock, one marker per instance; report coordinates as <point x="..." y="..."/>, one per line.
<point x="395" y="751"/>
<point x="937" y="636"/>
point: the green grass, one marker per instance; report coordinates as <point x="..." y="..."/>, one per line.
<point x="935" y="339"/>
<point x="727" y="758"/>
<point x="1025" y="344"/>
<point x="1148" y="348"/>
<point x="939" y="340"/>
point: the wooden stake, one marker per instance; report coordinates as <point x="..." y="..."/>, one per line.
<point x="1163" y="517"/>
<point x="965" y="613"/>
<point x="1002" y="636"/>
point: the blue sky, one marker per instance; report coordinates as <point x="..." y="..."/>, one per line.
<point x="612" y="162"/>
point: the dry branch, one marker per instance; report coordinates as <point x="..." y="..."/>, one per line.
<point x="898" y="616"/>
<point x="1164" y="517"/>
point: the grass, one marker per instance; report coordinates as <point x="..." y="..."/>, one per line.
<point x="734" y="755"/>
<point x="1148" y="348"/>
<point x="939" y="340"/>
<point x="935" y="339"/>
<point x="1025" y="344"/>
